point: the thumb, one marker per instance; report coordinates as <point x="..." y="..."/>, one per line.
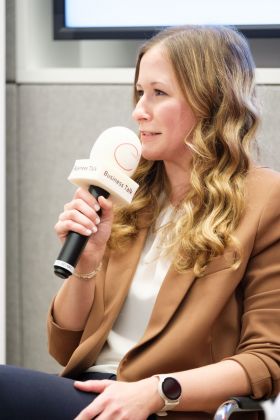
<point x="97" y="386"/>
<point x="107" y="208"/>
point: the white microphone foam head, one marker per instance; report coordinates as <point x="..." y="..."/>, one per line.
<point x="118" y="146"/>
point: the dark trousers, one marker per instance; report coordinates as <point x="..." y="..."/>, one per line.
<point x="33" y="395"/>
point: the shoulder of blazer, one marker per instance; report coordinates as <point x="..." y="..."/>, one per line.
<point x="262" y="187"/>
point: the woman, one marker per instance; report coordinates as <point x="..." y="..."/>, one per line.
<point x="185" y="281"/>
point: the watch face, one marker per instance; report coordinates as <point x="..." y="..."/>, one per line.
<point x="171" y="388"/>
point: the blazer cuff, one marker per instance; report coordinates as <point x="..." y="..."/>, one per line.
<point x="262" y="372"/>
<point x="62" y="342"/>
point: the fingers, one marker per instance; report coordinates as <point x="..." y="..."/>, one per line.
<point x="116" y="400"/>
<point x="93" y="386"/>
<point x="107" y="207"/>
<point x="80" y="214"/>
<point x="74" y="220"/>
<point x="86" y="414"/>
<point x="82" y="207"/>
<point x="96" y="407"/>
<point x="63" y="228"/>
<point x="87" y="197"/>
<point x="89" y="222"/>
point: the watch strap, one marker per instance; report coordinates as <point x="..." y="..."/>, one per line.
<point x="168" y="403"/>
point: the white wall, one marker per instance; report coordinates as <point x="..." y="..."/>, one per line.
<point x="2" y="186"/>
<point x="40" y="59"/>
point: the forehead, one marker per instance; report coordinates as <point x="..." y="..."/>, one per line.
<point x="155" y="63"/>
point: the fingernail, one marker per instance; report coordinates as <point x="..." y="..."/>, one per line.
<point x="97" y="207"/>
<point x="88" y="232"/>
<point x="94" y="229"/>
<point x="97" y="221"/>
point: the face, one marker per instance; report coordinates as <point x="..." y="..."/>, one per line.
<point x="164" y="117"/>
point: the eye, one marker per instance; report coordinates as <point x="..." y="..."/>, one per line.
<point x="140" y="93"/>
<point x="159" y="92"/>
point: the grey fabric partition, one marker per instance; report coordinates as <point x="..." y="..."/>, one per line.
<point x="269" y="136"/>
<point x="48" y="127"/>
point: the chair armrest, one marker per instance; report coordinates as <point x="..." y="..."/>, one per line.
<point x="237" y="405"/>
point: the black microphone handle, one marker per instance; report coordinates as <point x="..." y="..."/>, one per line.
<point x="74" y="244"/>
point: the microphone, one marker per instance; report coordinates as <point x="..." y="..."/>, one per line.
<point x="113" y="160"/>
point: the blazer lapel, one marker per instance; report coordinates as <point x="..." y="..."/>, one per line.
<point x="173" y="290"/>
<point x="120" y="273"/>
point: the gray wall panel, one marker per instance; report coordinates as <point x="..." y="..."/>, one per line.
<point x="57" y="124"/>
<point x="269" y="136"/>
<point x="14" y="295"/>
<point x="10" y="40"/>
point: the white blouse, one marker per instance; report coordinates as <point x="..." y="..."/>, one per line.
<point x="136" y="311"/>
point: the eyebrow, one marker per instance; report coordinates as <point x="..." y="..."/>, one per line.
<point x="152" y="84"/>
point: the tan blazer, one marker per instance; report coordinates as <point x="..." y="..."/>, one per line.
<point x="228" y="313"/>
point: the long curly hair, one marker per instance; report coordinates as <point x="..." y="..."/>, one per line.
<point x="215" y="70"/>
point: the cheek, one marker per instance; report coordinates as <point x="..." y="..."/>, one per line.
<point x="181" y="121"/>
<point x="172" y="116"/>
<point x="186" y="120"/>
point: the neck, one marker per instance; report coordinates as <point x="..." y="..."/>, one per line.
<point x="179" y="179"/>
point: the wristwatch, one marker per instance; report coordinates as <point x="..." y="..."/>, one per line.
<point x="170" y="391"/>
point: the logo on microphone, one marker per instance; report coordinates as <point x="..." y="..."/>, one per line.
<point x="127" y="156"/>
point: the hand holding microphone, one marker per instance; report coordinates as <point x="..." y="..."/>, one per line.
<point x="82" y="216"/>
<point x="113" y="160"/>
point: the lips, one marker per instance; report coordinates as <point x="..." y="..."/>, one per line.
<point x="149" y="133"/>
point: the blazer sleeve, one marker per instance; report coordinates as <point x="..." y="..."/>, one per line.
<point x="63" y="342"/>
<point x="259" y="347"/>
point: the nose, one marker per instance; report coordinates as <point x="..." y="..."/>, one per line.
<point x="141" y="110"/>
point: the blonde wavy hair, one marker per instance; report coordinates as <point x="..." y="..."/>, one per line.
<point x="215" y="70"/>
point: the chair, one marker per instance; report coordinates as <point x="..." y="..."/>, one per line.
<point x="236" y="408"/>
<point x="239" y="408"/>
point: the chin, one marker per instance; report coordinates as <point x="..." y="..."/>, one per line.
<point x="149" y="155"/>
